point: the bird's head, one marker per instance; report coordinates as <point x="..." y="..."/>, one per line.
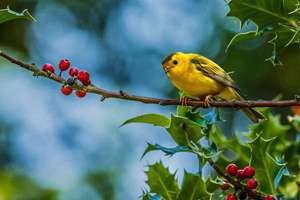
<point x="175" y="63"/>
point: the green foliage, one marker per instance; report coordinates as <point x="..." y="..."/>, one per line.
<point x="162" y="182"/>
<point x="154" y="119"/>
<point x="103" y="183"/>
<point x="193" y="187"/>
<point x="277" y="18"/>
<point x="267" y="168"/>
<point x="188" y="127"/>
<point x="17" y="186"/>
<point x="8" y="15"/>
<point x="184" y="131"/>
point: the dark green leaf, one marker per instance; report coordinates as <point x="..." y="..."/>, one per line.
<point x="7" y="15"/>
<point x="193" y="188"/>
<point x="263" y="12"/>
<point x="241" y="37"/>
<point x="162" y="182"/>
<point x="266" y="167"/>
<point x="154" y="119"/>
<point x="167" y="151"/>
<point x="184" y="130"/>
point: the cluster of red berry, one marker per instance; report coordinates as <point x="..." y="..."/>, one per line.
<point x="74" y="73"/>
<point x="246" y="173"/>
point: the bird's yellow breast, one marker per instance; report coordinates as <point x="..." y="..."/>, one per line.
<point x="194" y="83"/>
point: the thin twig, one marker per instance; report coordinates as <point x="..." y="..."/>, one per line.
<point x="105" y="94"/>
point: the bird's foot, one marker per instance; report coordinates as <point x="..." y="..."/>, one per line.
<point x="207" y="101"/>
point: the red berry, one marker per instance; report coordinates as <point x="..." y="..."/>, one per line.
<point x="73" y="71"/>
<point x="269" y="197"/>
<point x="48" y="68"/>
<point x="232" y="169"/>
<point x="80" y="93"/>
<point x="64" y="65"/>
<point x="252" y="183"/>
<point x="225" y="186"/>
<point x="231" y="197"/>
<point x="86" y="83"/>
<point x="66" y="90"/>
<point x="83" y="76"/>
<point x="249" y="172"/>
<point x="240" y="174"/>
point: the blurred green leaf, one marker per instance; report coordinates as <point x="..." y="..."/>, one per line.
<point x="103" y="183"/>
<point x="7" y="15"/>
<point x="233" y="144"/>
<point x="266" y="167"/>
<point x="154" y="119"/>
<point x="167" y="151"/>
<point x="162" y="182"/>
<point x="193" y="188"/>
<point x="184" y="130"/>
<point x="17" y="186"/>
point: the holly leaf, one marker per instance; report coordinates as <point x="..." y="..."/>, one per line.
<point x="8" y="15"/>
<point x="162" y="182"/>
<point x="166" y="150"/>
<point x="184" y="130"/>
<point x="193" y="188"/>
<point x="272" y="127"/>
<point x="278" y="18"/>
<point x="241" y="37"/>
<point x="266" y="167"/>
<point x="154" y="119"/>
<point x="264" y="13"/>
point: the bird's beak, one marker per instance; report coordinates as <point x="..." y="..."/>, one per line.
<point x="167" y="68"/>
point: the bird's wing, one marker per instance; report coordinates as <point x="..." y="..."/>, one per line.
<point x="214" y="71"/>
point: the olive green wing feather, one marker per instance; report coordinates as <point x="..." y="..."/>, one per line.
<point x="214" y="71"/>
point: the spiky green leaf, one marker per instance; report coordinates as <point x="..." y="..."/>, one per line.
<point x="266" y="166"/>
<point x="162" y="182"/>
<point x="184" y="130"/>
<point x="193" y="188"/>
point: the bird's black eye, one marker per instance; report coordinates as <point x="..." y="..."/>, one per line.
<point x="175" y="62"/>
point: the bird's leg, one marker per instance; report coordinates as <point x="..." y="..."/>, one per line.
<point x="207" y="100"/>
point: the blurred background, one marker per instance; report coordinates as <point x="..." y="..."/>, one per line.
<point x="57" y="147"/>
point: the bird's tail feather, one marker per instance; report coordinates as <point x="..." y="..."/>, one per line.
<point x="231" y="94"/>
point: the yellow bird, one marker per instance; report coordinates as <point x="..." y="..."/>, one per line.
<point x="199" y="77"/>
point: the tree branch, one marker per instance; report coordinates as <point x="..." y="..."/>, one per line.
<point x="149" y="100"/>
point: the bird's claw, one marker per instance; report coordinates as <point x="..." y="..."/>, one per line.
<point x="207" y="101"/>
